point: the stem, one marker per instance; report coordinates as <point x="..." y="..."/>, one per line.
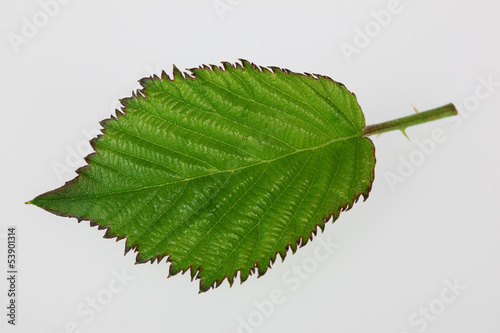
<point x="415" y="119"/>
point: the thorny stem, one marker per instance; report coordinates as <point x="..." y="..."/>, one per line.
<point x="415" y="119"/>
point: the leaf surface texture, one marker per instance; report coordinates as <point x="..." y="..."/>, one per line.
<point x="222" y="168"/>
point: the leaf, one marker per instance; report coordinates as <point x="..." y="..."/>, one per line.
<point x="222" y="169"/>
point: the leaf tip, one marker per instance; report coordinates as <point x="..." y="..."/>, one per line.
<point x="35" y="202"/>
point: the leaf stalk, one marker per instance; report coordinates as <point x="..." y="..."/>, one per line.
<point x="415" y="119"/>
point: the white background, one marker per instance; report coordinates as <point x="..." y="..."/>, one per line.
<point x="395" y="251"/>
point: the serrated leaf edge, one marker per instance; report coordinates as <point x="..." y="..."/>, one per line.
<point x="196" y="273"/>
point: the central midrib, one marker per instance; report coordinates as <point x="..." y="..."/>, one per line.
<point x="297" y="151"/>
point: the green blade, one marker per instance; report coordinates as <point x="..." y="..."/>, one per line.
<point x="222" y="169"/>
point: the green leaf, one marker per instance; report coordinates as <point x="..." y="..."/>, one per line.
<point x="222" y="169"/>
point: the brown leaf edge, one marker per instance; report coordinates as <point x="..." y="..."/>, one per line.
<point x="197" y="273"/>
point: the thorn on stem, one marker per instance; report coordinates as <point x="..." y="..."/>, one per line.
<point x="404" y="133"/>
